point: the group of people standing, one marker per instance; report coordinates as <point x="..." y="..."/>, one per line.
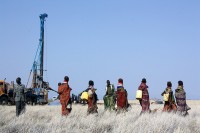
<point x="65" y="100"/>
<point x="177" y="104"/>
<point x="118" y="99"/>
<point x="113" y="99"/>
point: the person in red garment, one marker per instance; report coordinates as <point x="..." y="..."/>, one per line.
<point x="92" y="99"/>
<point x="64" y="92"/>
<point x="144" y="102"/>
<point x="122" y="102"/>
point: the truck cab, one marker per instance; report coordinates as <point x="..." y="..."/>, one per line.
<point x="6" y="93"/>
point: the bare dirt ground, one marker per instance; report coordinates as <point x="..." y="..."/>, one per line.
<point x="48" y="119"/>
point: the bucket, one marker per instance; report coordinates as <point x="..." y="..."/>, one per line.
<point x="138" y="94"/>
<point x="166" y="97"/>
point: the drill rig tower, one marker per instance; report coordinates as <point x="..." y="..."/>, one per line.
<point x="38" y="85"/>
<point x="38" y="80"/>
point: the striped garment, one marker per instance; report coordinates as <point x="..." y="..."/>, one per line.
<point x="144" y="102"/>
<point x="92" y="101"/>
<point x="180" y="99"/>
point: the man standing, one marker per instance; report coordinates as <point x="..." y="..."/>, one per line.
<point x="122" y="101"/>
<point x="92" y="98"/>
<point x="64" y="92"/>
<point x="109" y="100"/>
<point x="144" y="102"/>
<point x="180" y="95"/>
<point x="19" y="96"/>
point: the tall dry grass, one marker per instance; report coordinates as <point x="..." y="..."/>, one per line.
<point x="48" y="119"/>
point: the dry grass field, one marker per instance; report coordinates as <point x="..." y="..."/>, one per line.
<point x="47" y="119"/>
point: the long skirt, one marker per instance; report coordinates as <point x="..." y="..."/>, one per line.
<point x="109" y="102"/>
<point x="65" y="109"/>
<point x="92" y="107"/>
<point x="121" y="100"/>
<point x="145" y="106"/>
<point x="169" y="108"/>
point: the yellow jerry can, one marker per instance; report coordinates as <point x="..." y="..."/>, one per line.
<point x="138" y="94"/>
<point x="166" y="97"/>
<point x="84" y="95"/>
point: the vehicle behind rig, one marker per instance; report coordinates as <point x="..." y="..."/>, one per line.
<point x="33" y="96"/>
<point x="6" y="93"/>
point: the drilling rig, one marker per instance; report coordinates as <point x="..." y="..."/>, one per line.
<point x="38" y="93"/>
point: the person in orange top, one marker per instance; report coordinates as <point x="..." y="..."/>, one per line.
<point x="64" y="92"/>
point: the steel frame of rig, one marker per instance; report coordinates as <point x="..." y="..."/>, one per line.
<point x="38" y="93"/>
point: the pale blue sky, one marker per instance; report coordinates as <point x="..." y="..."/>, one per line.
<point x="107" y="39"/>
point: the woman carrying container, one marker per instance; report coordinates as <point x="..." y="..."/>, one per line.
<point x="144" y="101"/>
<point x="168" y="98"/>
<point x="92" y="99"/>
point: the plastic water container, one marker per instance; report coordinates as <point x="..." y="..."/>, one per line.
<point x="166" y="97"/>
<point x="138" y="94"/>
<point x="84" y="95"/>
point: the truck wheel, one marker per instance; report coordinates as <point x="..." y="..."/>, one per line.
<point x="4" y="101"/>
<point x="29" y="101"/>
